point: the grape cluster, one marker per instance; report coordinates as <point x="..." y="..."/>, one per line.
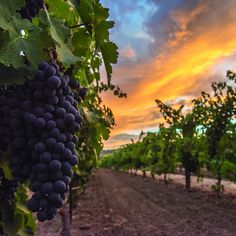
<point x="7" y="189"/>
<point x="31" y="9"/>
<point x="38" y="123"/>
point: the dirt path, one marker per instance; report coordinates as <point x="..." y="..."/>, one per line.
<point x="121" y="204"/>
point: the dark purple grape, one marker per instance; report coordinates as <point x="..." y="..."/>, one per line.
<point x="51" y="213"/>
<point x="38" y="111"/>
<point x="45" y="157"/>
<point x="59" y="92"/>
<point x="51" y="124"/>
<point x="50" y="71"/>
<point x="75" y="139"/>
<point x="69" y="118"/>
<point x="67" y="90"/>
<point x="61" y="138"/>
<point x="60" y="112"/>
<point x="41" y="216"/>
<point x="70" y="99"/>
<point x="60" y="124"/>
<point x="49" y="108"/>
<point x="66" y="105"/>
<point x="32" y="205"/>
<point x="54" y="132"/>
<point x="47" y="188"/>
<point x="70" y="145"/>
<point x="66" y="166"/>
<point x="44" y="204"/>
<point x="49" y="92"/>
<point x="51" y="142"/>
<point x="48" y="116"/>
<point x="59" y="186"/>
<point x="56" y="176"/>
<point x="83" y="92"/>
<point x="38" y="195"/>
<point x="40" y="167"/>
<point x="56" y="200"/>
<point x="54" y="166"/>
<point x="59" y="147"/>
<point x="52" y="100"/>
<point x="73" y="160"/>
<point x="43" y="66"/>
<point x="43" y="177"/>
<point x="69" y="137"/>
<point x="40" y="122"/>
<point x="40" y="148"/>
<point x="40" y="3"/>
<point x="73" y="83"/>
<point x="36" y="186"/>
<point x="31" y="118"/>
<point x="54" y="82"/>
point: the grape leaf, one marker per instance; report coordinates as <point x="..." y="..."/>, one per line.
<point x="23" y="38"/>
<point x="62" y="36"/>
<point x="81" y="41"/>
<point x="66" y="56"/>
<point x="110" y="56"/>
<point x="102" y="32"/>
<point x="8" y="9"/>
<point x="85" y="9"/>
<point x="62" y="10"/>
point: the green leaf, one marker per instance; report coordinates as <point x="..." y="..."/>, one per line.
<point x="81" y="42"/>
<point x="23" y="38"/>
<point x="66" y="56"/>
<point x="101" y="13"/>
<point x="62" y="10"/>
<point x="110" y="56"/>
<point x="62" y="36"/>
<point x="8" y="9"/>
<point x="102" y="32"/>
<point x="85" y="9"/>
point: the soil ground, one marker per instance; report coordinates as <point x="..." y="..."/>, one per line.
<point x="121" y="204"/>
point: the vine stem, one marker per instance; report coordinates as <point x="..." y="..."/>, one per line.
<point x="65" y="225"/>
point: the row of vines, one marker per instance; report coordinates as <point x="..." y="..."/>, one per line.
<point x="202" y="141"/>
<point x="52" y="120"/>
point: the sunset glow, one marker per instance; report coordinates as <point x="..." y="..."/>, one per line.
<point x="174" y="50"/>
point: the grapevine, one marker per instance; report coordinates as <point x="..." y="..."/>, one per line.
<point x="50" y="55"/>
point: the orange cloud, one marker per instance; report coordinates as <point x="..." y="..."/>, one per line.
<point x="128" y="52"/>
<point x="182" y="69"/>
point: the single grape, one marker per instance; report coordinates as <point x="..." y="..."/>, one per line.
<point x="54" y="82"/>
<point x="32" y="205"/>
<point x="59" y="186"/>
<point x="54" y="165"/>
<point x="41" y="215"/>
<point x="47" y="188"/>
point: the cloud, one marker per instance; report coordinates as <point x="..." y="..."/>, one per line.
<point x="194" y="45"/>
<point x="128" y="52"/>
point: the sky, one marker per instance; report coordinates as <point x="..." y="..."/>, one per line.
<point x="169" y="50"/>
